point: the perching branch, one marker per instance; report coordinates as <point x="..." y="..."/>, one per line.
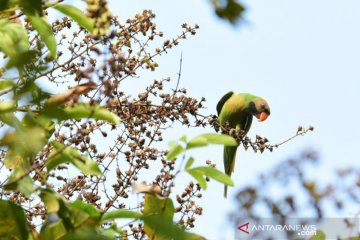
<point x="260" y="143"/>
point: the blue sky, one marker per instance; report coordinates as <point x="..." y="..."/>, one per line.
<point x="302" y="56"/>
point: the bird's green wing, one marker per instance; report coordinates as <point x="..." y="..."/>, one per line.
<point x="247" y="123"/>
<point x="222" y="101"/>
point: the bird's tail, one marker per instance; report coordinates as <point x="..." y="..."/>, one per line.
<point x="225" y="191"/>
<point x="229" y="163"/>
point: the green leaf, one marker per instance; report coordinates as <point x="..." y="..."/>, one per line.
<point x="82" y="110"/>
<point x="211" y="138"/>
<point x="121" y="213"/>
<point x="21" y="59"/>
<point x="196" y="142"/>
<point x="8" y="106"/>
<point x="63" y="222"/>
<point x="6" y="84"/>
<point x="183" y="138"/>
<point x="76" y="220"/>
<point x="12" y="221"/>
<point x="63" y="154"/>
<point x="32" y="8"/>
<point x="86" y="208"/>
<point x="24" y="142"/>
<point x="199" y="177"/>
<point x="189" y="163"/>
<point x="59" y="156"/>
<point x="25" y="186"/>
<point x="175" y="150"/>
<point x="111" y="232"/>
<point x="172" y="144"/>
<point x="14" y="41"/>
<point x="13" y="38"/>
<point x="155" y="206"/>
<point x="53" y="230"/>
<point x="7" y="4"/>
<point x="90" y="167"/>
<point x="32" y="120"/>
<point x="51" y="200"/>
<point x="163" y="228"/>
<point x="10" y="119"/>
<point x="84" y="216"/>
<point x="77" y="15"/>
<point x="68" y="218"/>
<point x="45" y="31"/>
<point x="223" y="139"/>
<point x="18" y="182"/>
<point x="84" y="233"/>
<point x="14" y="160"/>
<point x="215" y="174"/>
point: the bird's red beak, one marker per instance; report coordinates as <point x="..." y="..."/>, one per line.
<point x="262" y="116"/>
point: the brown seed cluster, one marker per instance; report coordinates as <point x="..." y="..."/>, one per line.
<point x="187" y="205"/>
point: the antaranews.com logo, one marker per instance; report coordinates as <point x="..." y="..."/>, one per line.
<point x="301" y="230"/>
<point x="297" y="228"/>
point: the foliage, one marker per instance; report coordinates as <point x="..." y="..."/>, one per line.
<point x="69" y="158"/>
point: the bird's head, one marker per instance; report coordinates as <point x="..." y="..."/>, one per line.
<point x="259" y="108"/>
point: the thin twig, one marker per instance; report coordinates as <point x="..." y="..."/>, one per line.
<point x="179" y="75"/>
<point x="298" y="133"/>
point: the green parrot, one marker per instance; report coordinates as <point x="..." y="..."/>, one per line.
<point x="238" y="110"/>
